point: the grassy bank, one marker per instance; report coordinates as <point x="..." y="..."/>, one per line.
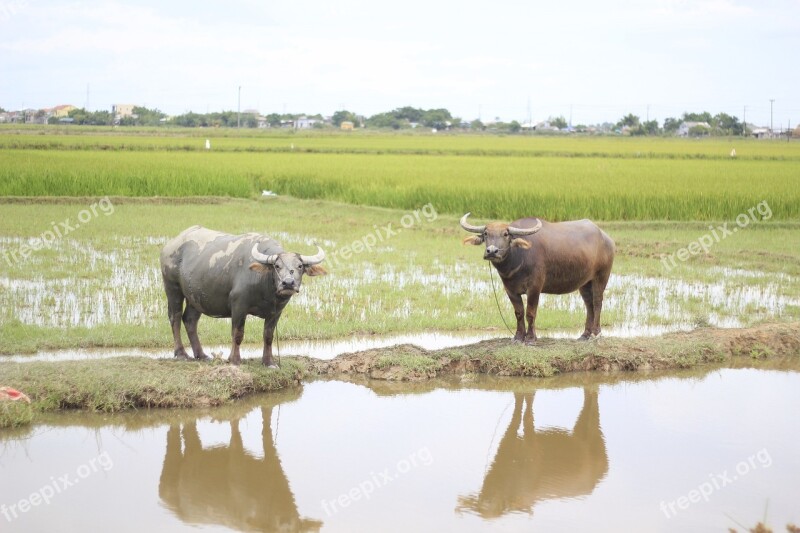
<point x="127" y="383"/>
<point x="137" y="383"/>
<point x="551" y="357"/>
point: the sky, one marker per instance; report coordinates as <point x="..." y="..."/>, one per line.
<point x="588" y="60"/>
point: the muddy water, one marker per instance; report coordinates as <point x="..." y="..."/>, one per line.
<point x="328" y="349"/>
<point x="695" y="451"/>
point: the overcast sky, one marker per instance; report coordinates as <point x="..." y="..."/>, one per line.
<point x="599" y="59"/>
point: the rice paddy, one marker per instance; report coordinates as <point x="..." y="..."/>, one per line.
<point x="99" y="285"/>
<point x="493" y="177"/>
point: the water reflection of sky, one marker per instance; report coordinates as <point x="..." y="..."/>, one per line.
<point x="594" y="452"/>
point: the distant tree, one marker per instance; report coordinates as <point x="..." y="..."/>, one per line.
<point x="274" y="120"/>
<point x="387" y="120"/>
<point x="705" y="116"/>
<point x="250" y="120"/>
<point x="189" y="120"/>
<point x="699" y="131"/>
<point x="437" y="118"/>
<point x="477" y="125"/>
<point x="650" y="127"/>
<point x="514" y="126"/>
<point x="343" y="116"/>
<point x="558" y="122"/>
<point x="2" y="110"/>
<point x="410" y="114"/>
<point x="671" y="125"/>
<point x="89" y="118"/>
<point x="725" y="124"/>
<point x="630" y="120"/>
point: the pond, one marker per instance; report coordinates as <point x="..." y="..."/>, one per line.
<point x="688" y="451"/>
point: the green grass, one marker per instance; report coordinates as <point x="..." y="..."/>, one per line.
<point x="15" y="414"/>
<point x="560" y="178"/>
<point x="779" y="342"/>
<point x="132" y="382"/>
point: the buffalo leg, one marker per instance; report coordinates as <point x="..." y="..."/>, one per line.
<point x="588" y="300"/>
<point x="190" y="318"/>
<point x="533" y="306"/>
<point x="269" y="333"/>
<point x="237" y="335"/>
<point x="175" y="310"/>
<point x="598" y="288"/>
<point x="519" y="312"/>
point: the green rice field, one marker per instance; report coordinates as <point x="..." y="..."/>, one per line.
<point x="557" y="178"/>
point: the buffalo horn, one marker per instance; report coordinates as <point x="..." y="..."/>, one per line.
<point x="520" y="232"/>
<point x="263" y="258"/>
<point x="310" y="260"/>
<point x="469" y="227"/>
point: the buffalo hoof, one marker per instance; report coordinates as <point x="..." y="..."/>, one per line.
<point x="530" y="342"/>
<point x="273" y="365"/>
<point x="585" y="337"/>
<point x="181" y="354"/>
<point x="202" y="357"/>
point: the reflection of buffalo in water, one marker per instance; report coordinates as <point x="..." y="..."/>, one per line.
<point x="228" y="485"/>
<point x="541" y="465"/>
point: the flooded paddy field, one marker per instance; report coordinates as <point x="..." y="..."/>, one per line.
<point x="698" y="450"/>
<point x="101" y="285"/>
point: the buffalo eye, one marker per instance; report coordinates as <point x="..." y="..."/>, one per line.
<point x="505" y="234"/>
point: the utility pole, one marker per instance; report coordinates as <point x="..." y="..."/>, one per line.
<point x="239" y="109"/>
<point x="771" y="100"/>
<point x="744" y="121"/>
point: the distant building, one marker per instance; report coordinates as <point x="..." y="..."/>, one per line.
<point x="305" y="123"/>
<point x="61" y="111"/>
<point x="122" y="110"/>
<point x="761" y="133"/>
<point x="347" y="125"/>
<point x="686" y="127"/>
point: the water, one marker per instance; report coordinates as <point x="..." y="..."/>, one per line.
<point x="123" y="286"/>
<point x="328" y="349"/>
<point x="691" y="451"/>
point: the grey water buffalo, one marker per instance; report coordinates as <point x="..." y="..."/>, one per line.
<point x="231" y="276"/>
<point x="533" y="256"/>
<point x="230" y="485"/>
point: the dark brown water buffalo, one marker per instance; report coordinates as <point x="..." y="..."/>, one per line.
<point x="230" y="276"/>
<point x="535" y="466"/>
<point x="533" y="256"/>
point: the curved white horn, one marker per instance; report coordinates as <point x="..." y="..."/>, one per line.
<point x="263" y="258"/>
<point x="469" y="227"/>
<point x="310" y="260"/>
<point x="520" y="232"/>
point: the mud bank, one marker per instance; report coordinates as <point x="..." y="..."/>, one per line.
<point x="126" y="383"/>
<point x="504" y="357"/>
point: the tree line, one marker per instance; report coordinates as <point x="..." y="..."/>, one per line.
<point x="704" y="123"/>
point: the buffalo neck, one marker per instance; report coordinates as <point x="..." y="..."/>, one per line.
<point x="511" y="264"/>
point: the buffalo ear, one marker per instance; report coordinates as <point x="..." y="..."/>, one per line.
<point x="473" y="239"/>
<point x="258" y="267"/>
<point x="316" y="270"/>
<point x="519" y="242"/>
